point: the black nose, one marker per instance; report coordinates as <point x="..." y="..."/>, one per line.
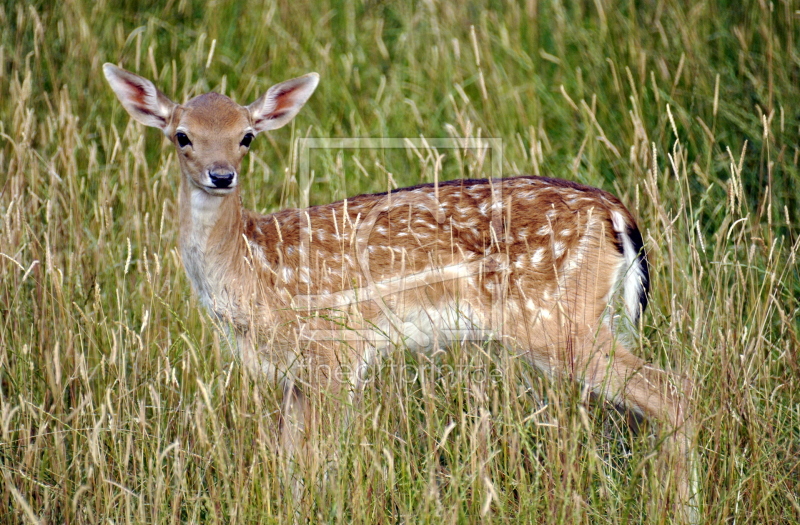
<point x="221" y="179"/>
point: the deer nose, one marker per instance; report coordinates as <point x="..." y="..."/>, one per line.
<point x="221" y="178"/>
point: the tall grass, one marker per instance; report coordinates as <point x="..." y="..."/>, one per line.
<point x="118" y="403"/>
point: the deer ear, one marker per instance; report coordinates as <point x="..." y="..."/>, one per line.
<point x="139" y="96"/>
<point x="282" y="102"/>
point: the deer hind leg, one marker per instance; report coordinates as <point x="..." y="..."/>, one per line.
<point x="609" y="369"/>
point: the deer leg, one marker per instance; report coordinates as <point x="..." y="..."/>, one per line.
<point x="315" y="397"/>
<point x="606" y="366"/>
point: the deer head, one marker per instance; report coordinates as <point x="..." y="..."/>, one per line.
<point x="211" y="132"/>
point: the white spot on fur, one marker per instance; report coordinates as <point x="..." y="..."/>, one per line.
<point x="537" y="257"/>
<point x="258" y="254"/>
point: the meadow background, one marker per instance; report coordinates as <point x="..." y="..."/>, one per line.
<point x="118" y="403"/>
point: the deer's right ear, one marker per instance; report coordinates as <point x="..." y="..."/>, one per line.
<point x="139" y="96"/>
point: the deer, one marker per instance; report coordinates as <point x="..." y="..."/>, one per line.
<point x="552" y="270"/>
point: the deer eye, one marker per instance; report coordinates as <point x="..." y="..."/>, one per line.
<point x="248" y="138"/>
<point x="182" y="139"/>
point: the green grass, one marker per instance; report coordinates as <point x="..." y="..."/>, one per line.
<point x="118" y="403"/>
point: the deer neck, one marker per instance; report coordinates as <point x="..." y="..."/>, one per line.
<point x="211" y="243"/>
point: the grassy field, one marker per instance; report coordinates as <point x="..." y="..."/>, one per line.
<point x="118" y="401"/>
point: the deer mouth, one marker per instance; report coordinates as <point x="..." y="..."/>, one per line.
<point x="216" y="190"/>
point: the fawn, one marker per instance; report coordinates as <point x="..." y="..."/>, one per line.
<point x="546" y="267"/>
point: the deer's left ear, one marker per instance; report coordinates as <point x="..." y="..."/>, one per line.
<point x="282" y="102"/>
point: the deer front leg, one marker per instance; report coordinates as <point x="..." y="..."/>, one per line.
<point x="323" y="379"/>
